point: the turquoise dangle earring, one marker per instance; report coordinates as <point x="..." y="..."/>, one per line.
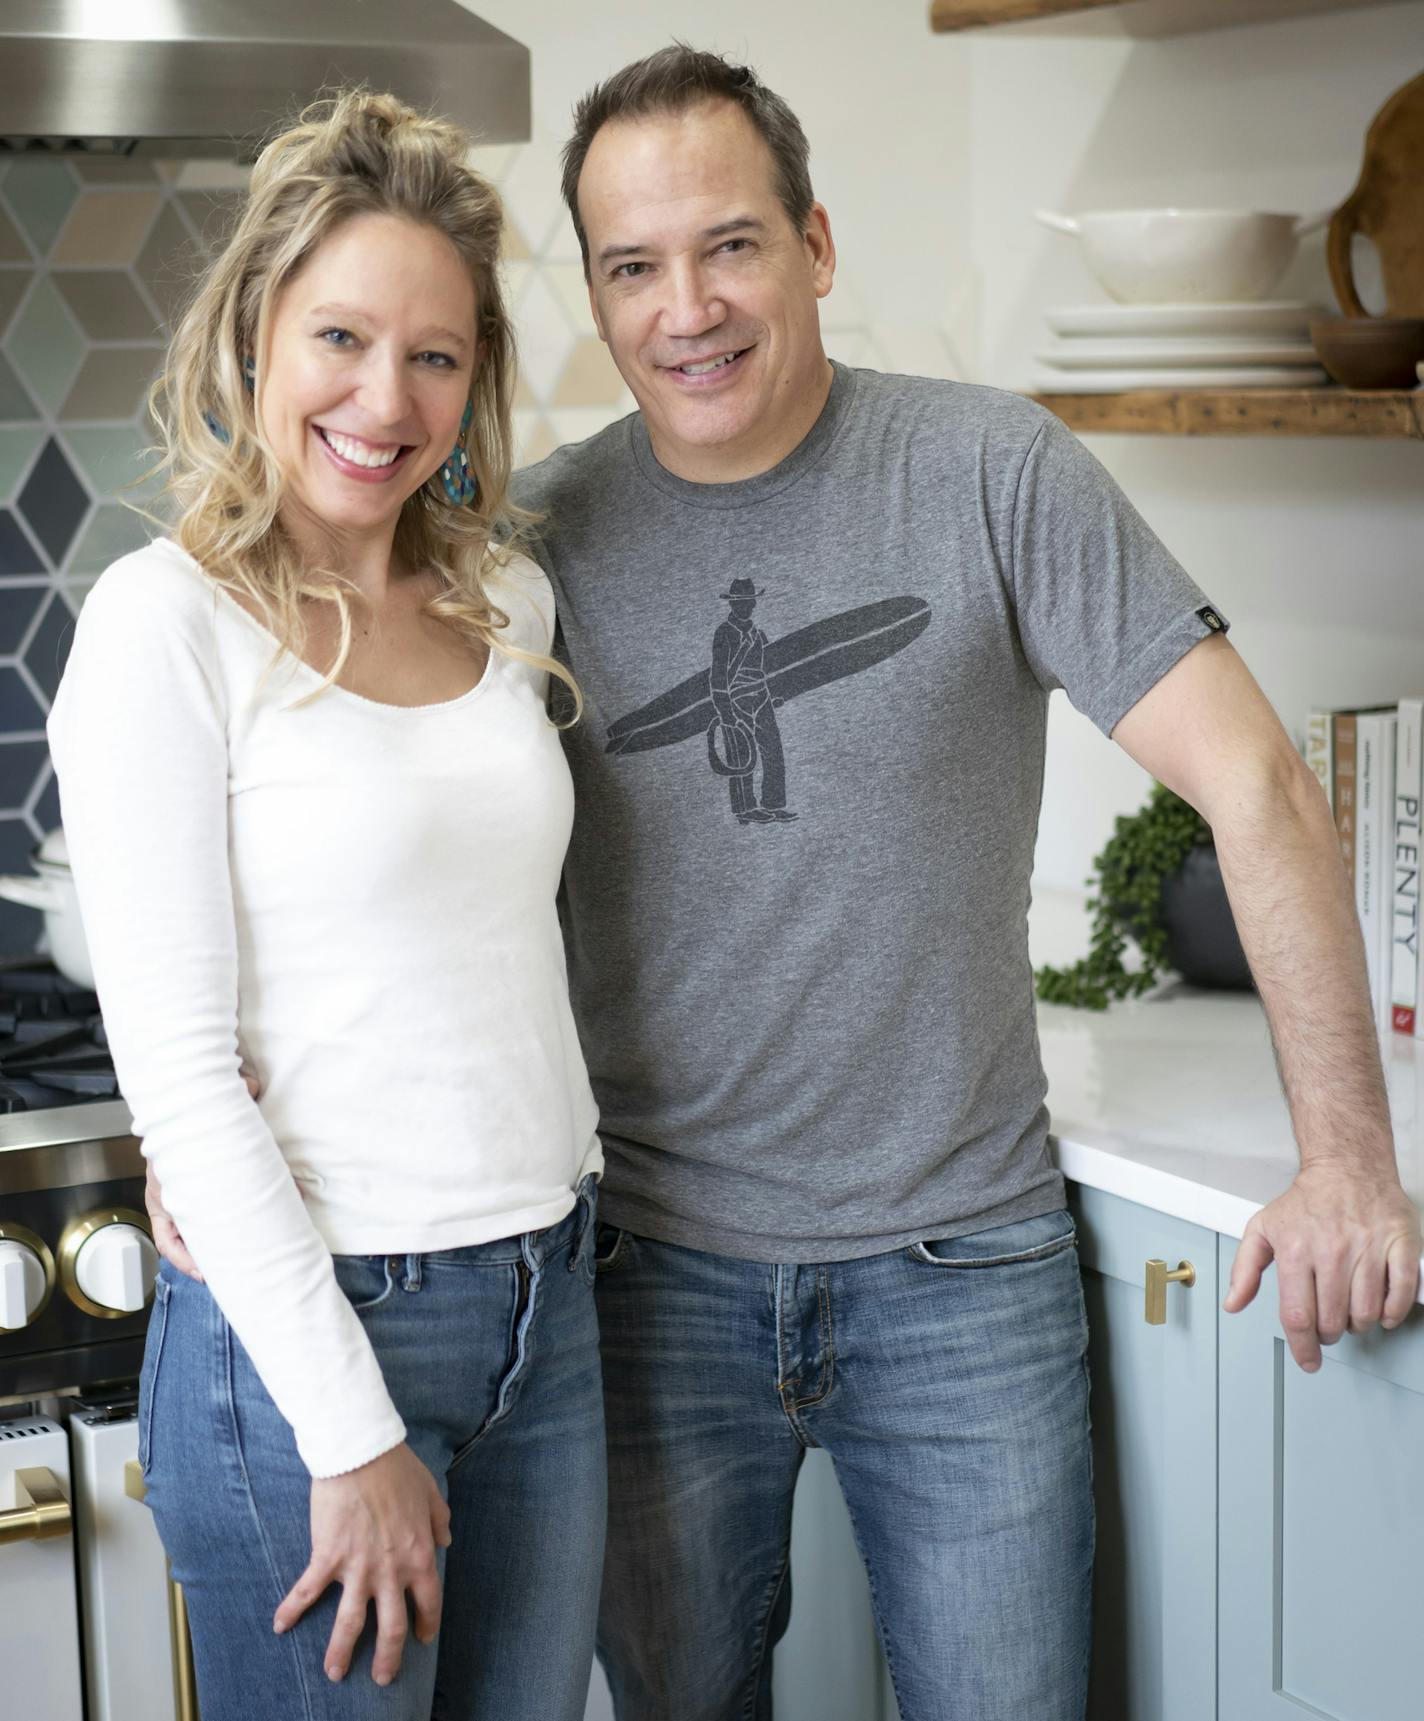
<point x="455" y="474"/>
<point x="249" y="377"/>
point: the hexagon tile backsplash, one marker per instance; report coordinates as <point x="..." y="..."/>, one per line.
<point x="94" y="255"/>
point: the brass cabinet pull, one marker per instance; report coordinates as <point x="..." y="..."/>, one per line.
<point x="1158" y="1279"/>
<point x="41" y="1510"/>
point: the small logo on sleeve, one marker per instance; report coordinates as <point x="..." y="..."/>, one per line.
<point x="1208" y="615"/>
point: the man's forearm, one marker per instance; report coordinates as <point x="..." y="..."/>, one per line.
<point x="1280" y="859"/>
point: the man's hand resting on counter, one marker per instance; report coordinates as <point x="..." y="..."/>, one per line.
<point x="1346" y="1245"/>
<point x="1344" y="1236"/>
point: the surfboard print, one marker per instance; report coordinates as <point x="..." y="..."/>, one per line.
<point x="797" y="663"/>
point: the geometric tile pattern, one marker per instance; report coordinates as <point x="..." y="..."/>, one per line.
<point x="81" y="336"/>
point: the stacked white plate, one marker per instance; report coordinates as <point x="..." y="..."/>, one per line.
<point x="1102" y="349"/>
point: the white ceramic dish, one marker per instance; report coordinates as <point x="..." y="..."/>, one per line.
<point x="1196" y="256"/>
<point x="1079" y="353"/>
<point x="52" y="892"/>
<point x="1116" y="381"/>
<point x="1279" y="317"/>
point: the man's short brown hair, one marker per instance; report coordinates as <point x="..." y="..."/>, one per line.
<point x="673" y="80"/>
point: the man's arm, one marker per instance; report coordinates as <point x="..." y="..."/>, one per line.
<point x="1344" y="1236"/>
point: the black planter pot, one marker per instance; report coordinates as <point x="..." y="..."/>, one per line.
<point x="1202" y="942"/>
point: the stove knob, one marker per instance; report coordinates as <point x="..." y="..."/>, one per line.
<point x="26" y="1277"/>
<point x="108" y="1262"/>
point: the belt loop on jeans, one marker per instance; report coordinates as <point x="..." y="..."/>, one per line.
<point x="585" y="1198"/>
<point x="412" y="1272"/>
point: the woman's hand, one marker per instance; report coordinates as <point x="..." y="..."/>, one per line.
<point x="167" y="1238"/>
<point x="374" y="1531"/>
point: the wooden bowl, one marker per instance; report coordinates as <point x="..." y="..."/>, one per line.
<point x="1369" y="352"/>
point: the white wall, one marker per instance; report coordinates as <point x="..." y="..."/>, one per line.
<point x="931" y="153"/>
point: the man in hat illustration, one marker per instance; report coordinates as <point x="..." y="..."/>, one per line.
<point x="746" y="714"/>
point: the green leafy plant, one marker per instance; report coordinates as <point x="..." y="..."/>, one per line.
<point x="1145" y="848"/>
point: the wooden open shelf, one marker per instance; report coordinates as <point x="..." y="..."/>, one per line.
<point x="1124" y="17"/>
<point x="1245" y="412"/>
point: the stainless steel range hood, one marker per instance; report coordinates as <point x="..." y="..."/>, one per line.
<point x="209" y="77"/>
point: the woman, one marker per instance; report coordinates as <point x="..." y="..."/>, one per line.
<point x="317" y="814"/>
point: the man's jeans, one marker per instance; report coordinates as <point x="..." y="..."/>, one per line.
<point x="948" y="1382"/>
<point x="491" y="1356"/>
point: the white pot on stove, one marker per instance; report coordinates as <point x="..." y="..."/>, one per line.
<point x="52" y="892"/>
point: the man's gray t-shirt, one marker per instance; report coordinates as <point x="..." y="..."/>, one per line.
<point x="807" y="785"/>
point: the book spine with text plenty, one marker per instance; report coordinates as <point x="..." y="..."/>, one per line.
<point x="1342" y="794"/>
<point x="1374" y="786"/>
<point x="1406" y="1003"/>
<point x="1319" y="748"/>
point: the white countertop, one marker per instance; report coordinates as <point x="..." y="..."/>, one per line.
<point x="1173" y="1100"/>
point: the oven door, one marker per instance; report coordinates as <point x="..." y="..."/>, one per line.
<point x="123" y="1575"/>
<point x="39" y="1617"/>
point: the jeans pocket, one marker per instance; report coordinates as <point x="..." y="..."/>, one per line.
<point x="365" y="1280"/>
<point x="1023" y="1240"/>
<point x="609" y="1241"/>
<point x="148" y="1375"/>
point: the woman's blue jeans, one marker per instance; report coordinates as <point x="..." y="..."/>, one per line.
<point x="491" y="1356"/>
<point x="948" y="1383"/>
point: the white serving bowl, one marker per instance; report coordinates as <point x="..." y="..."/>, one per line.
<point x="1186" y="256"/>
<point x="52" y="891"/>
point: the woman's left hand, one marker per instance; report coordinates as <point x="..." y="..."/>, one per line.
<point x="374" y="1531"/>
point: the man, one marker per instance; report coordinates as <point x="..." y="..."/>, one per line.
<point x="830" y="1214"/>
<point x="746" y="713"/>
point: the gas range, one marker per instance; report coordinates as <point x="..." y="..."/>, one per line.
<point x="76" y="1261"/>
<point x="86" y="1605"/>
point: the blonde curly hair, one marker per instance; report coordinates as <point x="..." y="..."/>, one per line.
<point x="352" y="153"/>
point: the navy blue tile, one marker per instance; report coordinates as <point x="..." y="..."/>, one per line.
<point x="53" y="501"/>
<point x="20" y="928"/>
<point x="46" y="808"/>
<point x="49" y="649"/>
<point x="19" y="709"/>
<point x="19" y="605"/>
<point x="17" y="553"/>
<point x="20" y="764"/>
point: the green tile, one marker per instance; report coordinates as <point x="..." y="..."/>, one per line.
<point x="44" y="346"/>
<point x="113" y="531"/>
<point x="13" y="248"/>
<point x="170" y="263"/>
<point x="12" y="289"/>
<point x="40" y="195"/>
<point x="213" y="213"/>
<point x="14" y="402"/>
<point x="106" y="304"/>
<point x="112" y="459"/>
<point x="112" y="384"/>
<point x="17" y="449"/>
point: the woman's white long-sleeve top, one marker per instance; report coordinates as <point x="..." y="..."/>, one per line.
<point x="359" y="900"/>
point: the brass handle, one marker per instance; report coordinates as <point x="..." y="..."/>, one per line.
<point x="41" y="1509"/>
<point x="1158" y="1279"/>
<point x="185" y="1679"/>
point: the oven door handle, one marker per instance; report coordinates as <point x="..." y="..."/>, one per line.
<point x="41" y="1510"/>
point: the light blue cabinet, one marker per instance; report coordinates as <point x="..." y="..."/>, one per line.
<point x="1322" y="1523"/>
<point x="1154" y="1449"/>
<point x="1260" y="1531"/>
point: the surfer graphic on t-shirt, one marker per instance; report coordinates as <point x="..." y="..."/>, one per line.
<point x="743" y="734"/>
